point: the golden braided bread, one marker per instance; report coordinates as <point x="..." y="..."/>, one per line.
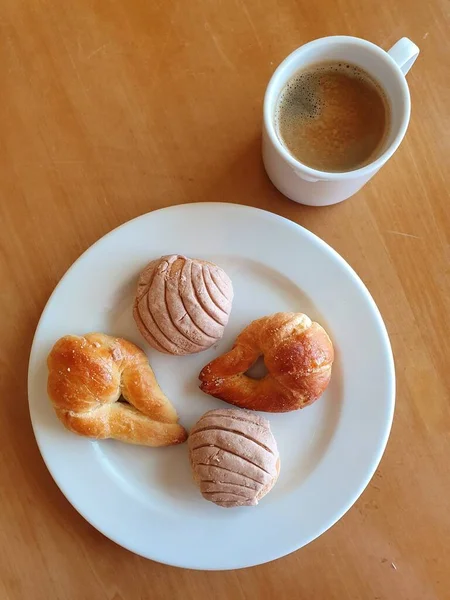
<point x="298" y="355"/>
<point x="88" y="375"/>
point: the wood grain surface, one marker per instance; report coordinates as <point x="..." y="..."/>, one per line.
<point x="113" y="108"/>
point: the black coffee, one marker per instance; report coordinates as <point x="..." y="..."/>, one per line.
<point x="333" y="116"/>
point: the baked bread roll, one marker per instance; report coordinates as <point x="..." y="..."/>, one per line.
<point x="89" y="374"/>
<point x="182" y="305"/>
<point x="234" y="457"/>
<point x="298" y="355"/>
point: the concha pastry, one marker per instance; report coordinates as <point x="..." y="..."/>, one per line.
<point x="182" y="305"/>
<point x="234" y="457"/>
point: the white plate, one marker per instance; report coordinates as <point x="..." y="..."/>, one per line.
<point x="144" y="499"/>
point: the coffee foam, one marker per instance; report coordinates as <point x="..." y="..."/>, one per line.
<point x="299" y="96"/>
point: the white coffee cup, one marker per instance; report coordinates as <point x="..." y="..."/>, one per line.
<point x="317" y="188"/>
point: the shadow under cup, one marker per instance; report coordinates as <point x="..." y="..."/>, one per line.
<point x="307" y="185"/>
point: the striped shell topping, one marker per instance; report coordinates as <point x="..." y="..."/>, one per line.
<point x="182" y="305"/>
<point x="234" y="457"/>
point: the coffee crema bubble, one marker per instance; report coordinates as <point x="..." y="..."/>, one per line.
<point x="333" y="117"/>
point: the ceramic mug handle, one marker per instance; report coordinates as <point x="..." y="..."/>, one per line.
<point x="404" y="53"/>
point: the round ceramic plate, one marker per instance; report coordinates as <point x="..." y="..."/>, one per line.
<point x="144" y="498"/>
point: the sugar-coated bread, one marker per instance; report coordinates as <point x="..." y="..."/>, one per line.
<point x="298" y="355"/>
<point x="87" y="376"/>
<point x="234" y="457"/>
<point x="182" y="305"/>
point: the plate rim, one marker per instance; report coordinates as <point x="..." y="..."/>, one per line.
<point x="382" y="443"/>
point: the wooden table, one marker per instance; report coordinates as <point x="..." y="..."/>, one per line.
<point x="112" y="108"/>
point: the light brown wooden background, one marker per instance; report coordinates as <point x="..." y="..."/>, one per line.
<point x="112" y="108"/>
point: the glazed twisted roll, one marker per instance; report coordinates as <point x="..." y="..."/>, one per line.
<point x="182" y="305"/>
<point x="88" y="375"/>
<point x="298" y="355"/>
